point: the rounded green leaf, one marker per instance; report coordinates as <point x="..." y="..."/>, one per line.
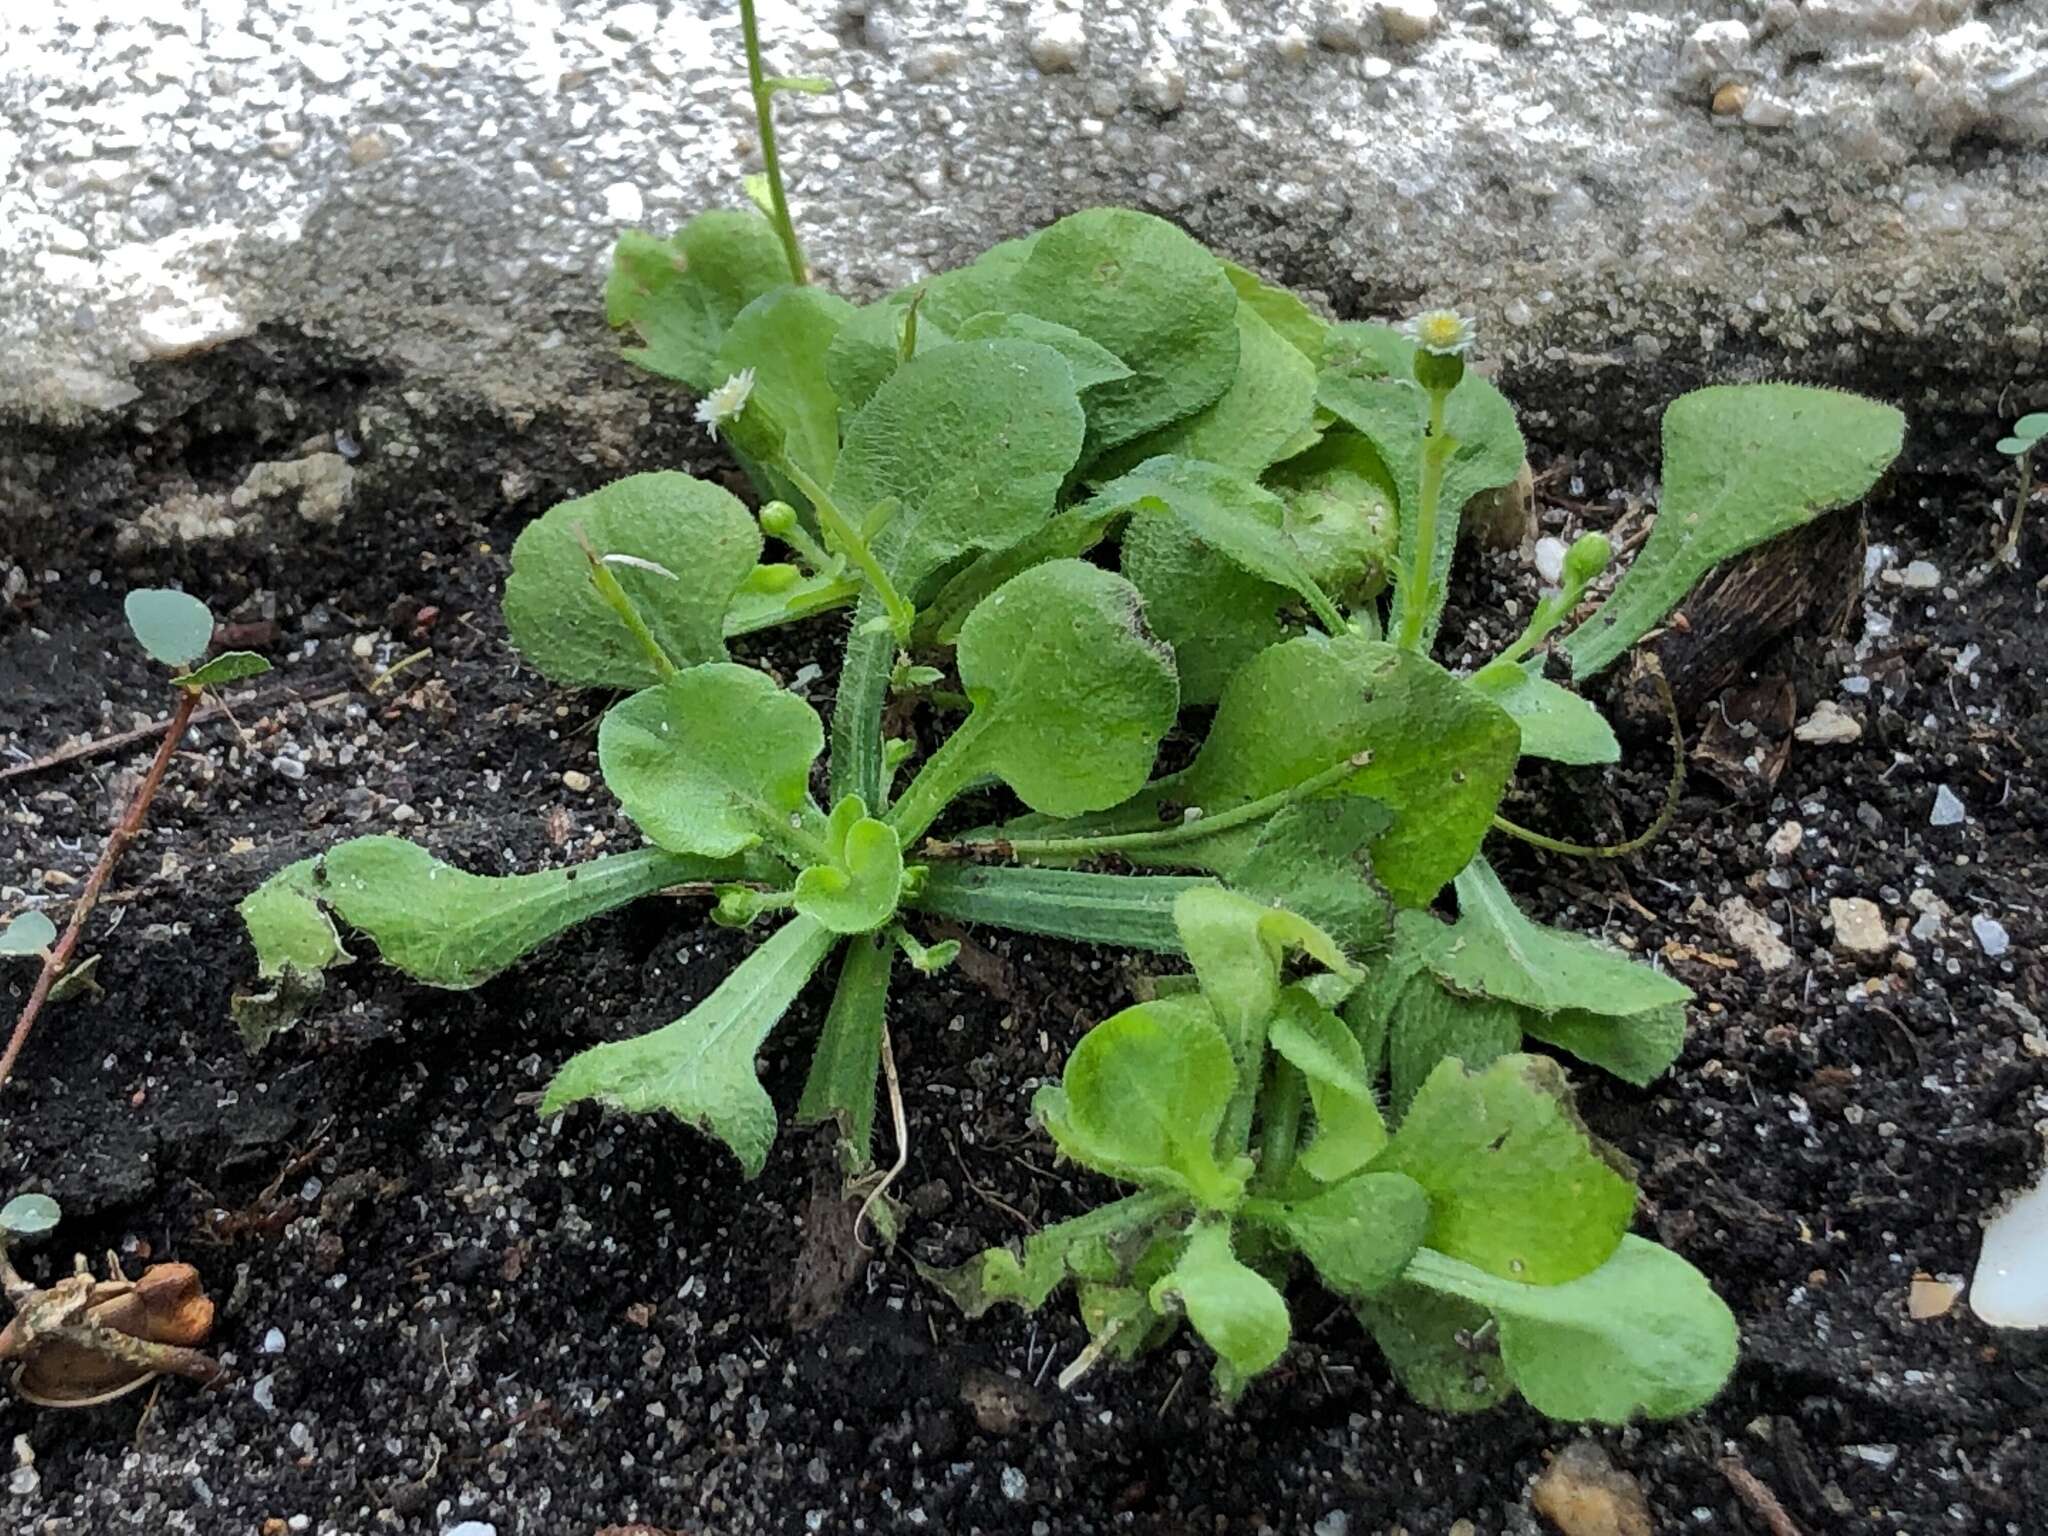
<point x="714" y="761"/>
<point x="1143" y="1095"/>
<point x="2032" y="426"/>
<point x="1264" y="415"/>
<point x="680" y="295"/>
<point x="687" y="548"/>
<point x="972" y="441"/>
<point x="1340" y="503"/>
<point x="785" y="337"/>
<point x="1151" y="295"/>
<point x="1071" y="692"/>
<point x="1213" y="612"/>
<point x="2016" y="445"/>
<point x="1360" y="1234"/>
<point x="174" y="627"/>
<point x="29" y="1215"/>
<point x="29" y="934"/>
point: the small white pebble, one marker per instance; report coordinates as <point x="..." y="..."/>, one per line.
<point x="1059" y="43"/>
<point x="471" y="1528"/>
<point x="574" y="780"/>
<point x="1550" y="560"/>
<point x="1856" y="686"/>
<point x="1948" y="810"/>
<point x="1014" y="1485"/>
<point x="1991" y="935"/>
<point x="1920" y="576"/>
<point x="273" y="1342"/>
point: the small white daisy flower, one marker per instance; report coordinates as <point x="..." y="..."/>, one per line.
<point x="1444" y="332"/>
<point x="726" y="401"/>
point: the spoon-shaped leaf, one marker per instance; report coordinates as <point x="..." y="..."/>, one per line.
<point x="715" y="761"/>
<point x="1071" y="697"/>
<point x="1235" y="1309"/>
<point x="29" y="934"/>
<point x="856" y="889"/>
<point x="701" y="1068"/>
<point x="688" y="547"/>
<point x="29" y="1215"/>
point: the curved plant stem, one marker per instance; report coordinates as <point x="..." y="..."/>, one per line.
<point x="59" y="957"/>
<point x="900" y="1124"/>
<point x="1672" y="789"/>
<point x="1164" y="837"/>
<point x="764" y="118"/>
<point x="854" y="545"/>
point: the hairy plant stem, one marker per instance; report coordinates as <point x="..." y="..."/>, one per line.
<point x="764" y="119"/>
<point x="615" y="598"/>
<point x="940" y="779"/>
<point x="1164" y="837"/>
<point x="1280" y="1103"/>
<point x="125" y="832"/>
<point x="1415" y="602"/>
<point x="854" y="545"/>
<point x="857" y="746"/>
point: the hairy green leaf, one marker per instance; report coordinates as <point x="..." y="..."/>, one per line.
<point x="984" y="284"/>
<point x="716" y="760"/>
<point x="841" y="1084"/>
<point x="1262" y="416"/>
<point x="1142" y="1097"/>
<point x="1124" y="911"/>
<point x="688" y="546"/>
<point x="1390" y="409"/>
<point x="1149" y="294"/>
<point x="1232" y="1306"/>
<point x="868" y="348"/>
<point x="1494" y="951"/>
<point x="784" y="337"/>
<point x="1516" y="1186"/>
<point x="228" y="667"/>
<point x="1282" y="310"/>
<point x="856" y="889"/>
<point x="1314" y="858"/>
<point x="1071" y="697"/>
<point x="701" y="1068"/>
<point x="1238" y="947"/>
<point x="1555" y="722"/>
<point x="973" y="442"/>
<point x="1743" y="463"/>
<point x="1437" y="1347"/>
<point x="1430" y="1025"/>
<point x="1359" y="1234"/>
<point x="1214" y="613"/>
<point x="1092" y="363"/>
<point x="174" y="627"/>
<point x="680" y="295"/>
<point x="1642" y="1336"/>
<point x="1440" y="756"/>
<point x="1638" y="1049"/>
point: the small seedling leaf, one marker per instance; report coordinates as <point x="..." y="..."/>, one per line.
<point x="868" y="348"/>
<point x="2032" y="427"/>
<point x="1153" y="297"/>
<point x="1516" y="1186"/>
<point x="702" y="539"/>
<point x="1349" y="1130"/>
<point x="29" y="1215"/>
<point x="1642" y="1336"/>
<point x="29" y="934"/>
<point x="228" y="667"/>
<point x="680" y="295"/>
<point x="1098" y="1245"/>
<point x="715" y="761"/>
<point x="1239" y="947"/>
<point x="701" y="1068"/>
<point x="973" y="441"/>
<point x="174" y="627"/>
<point x="1743" y="463"/>
<point x="856" y="890"/>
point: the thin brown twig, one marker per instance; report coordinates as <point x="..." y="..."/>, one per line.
<point x="80" y="751"/>
<point x="1760" y="1501"/>
<point x="58" y="958"/>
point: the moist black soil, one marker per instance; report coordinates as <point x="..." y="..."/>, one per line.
<point x="440" y="1308"/>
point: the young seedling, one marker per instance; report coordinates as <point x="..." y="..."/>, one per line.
<point x="1483" y="1239"/>
<point x="2026" y="435"/>
<point x="960" y="465"/>
<point x="176" y="630"/>
<point x="81" y="1341"/>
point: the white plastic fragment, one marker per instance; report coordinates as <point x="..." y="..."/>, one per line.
<point x="1948" y="810"/>
<point x="2010" y="1288"/>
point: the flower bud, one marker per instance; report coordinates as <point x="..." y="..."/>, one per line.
<point x="1586" y="559"/>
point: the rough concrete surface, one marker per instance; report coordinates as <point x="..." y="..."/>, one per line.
<point x="1823" y="188"/>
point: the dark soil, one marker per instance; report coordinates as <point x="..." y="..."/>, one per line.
<point x="440" y="1308"/>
